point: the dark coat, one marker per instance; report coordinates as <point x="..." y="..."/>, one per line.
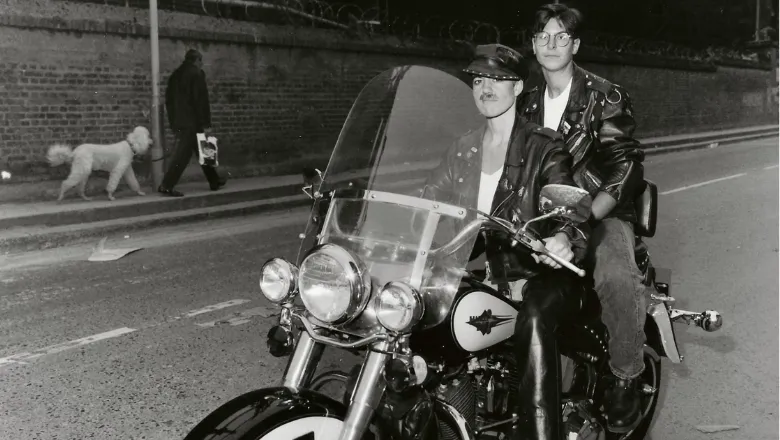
<point x="187" y="99"/>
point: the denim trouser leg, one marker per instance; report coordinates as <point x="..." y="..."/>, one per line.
<point x="618" y="284"/>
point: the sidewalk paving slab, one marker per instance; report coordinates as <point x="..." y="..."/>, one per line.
<point x="46" y="224"/>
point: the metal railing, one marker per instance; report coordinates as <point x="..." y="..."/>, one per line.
<point x="372" y="22"/>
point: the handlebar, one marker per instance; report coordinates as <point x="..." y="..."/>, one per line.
<point x="518" y="235"/>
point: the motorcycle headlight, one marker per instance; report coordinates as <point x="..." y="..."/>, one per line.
<point x="399" y="307"/>
<point x="279" y="279"/>
<point x="334" y="284"/>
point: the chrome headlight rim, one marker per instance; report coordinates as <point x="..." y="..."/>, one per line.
<point x="356" y="273"/>
<point x="292" y="279"/>
<point x="417" y="312"/>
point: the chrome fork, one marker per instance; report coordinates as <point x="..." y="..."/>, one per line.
<point x="369" y="389"/>
<point x="368" y="392"/>
<point x="303" y="363"/>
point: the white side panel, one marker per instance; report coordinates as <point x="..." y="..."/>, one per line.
<point x="481" y="320"/>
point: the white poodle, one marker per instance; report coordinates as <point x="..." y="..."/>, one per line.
<point x="115" y="158"/>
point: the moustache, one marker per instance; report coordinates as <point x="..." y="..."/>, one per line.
<point x="487" y="97"/>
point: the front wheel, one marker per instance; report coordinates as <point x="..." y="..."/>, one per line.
<point x="274" y="414"/>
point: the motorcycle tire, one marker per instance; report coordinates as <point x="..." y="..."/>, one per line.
<point x="651" y="376"/>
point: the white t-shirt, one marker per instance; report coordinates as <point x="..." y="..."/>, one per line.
<point x="554" y="107"/>
<point x="487" y="189"/>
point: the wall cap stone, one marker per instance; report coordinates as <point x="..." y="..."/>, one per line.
<point x="287" y="36"/>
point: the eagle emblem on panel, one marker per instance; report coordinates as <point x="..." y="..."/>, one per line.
<point x="487" y="321"/>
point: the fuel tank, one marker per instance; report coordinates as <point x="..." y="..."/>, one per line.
<point x="479" y="319"/>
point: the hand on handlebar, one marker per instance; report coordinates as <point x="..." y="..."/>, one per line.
<point x="558" y="245"/>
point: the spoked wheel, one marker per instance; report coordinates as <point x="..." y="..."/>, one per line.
<point x="649" y="387"/>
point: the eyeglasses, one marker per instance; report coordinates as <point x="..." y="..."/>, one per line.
<point x="543" y="39"/>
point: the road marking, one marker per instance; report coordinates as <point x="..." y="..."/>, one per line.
<point x="21" y="358"/>
<point x="671" y="191"/>
<point x="239" y="318"/>
<point x="25" y="357"/>
<point x="211" y="308"/>
<point x="771" y="167"/>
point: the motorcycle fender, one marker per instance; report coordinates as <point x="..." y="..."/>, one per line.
<point x="660" y="333"/>
<point x="262" y="408"/>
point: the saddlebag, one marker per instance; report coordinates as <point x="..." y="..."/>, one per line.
<point x="646" y="210"/>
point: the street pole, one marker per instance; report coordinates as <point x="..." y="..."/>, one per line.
<point x="758" y="16"/>
<point x="157" y="151"/>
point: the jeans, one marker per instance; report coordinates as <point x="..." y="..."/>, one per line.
<point x="186" y="145"/>
<point x="618" y="283"/>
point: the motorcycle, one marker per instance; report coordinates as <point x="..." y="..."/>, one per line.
<point x="384" y="272"/>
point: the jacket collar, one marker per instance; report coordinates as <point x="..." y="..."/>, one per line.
<point x="472" y="149"/>
<point x="578" y="99"/>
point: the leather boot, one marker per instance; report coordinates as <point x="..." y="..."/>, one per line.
<point x="539" y="367"/>
<point x="622" y="404"/>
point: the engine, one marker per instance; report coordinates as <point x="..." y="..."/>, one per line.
<point x="482" y="393"/>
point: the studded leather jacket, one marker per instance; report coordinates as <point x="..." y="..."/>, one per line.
<point x="536" y="157"/>
<point x="606" y="157"/>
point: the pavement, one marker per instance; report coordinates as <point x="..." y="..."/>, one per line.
<point x="146" y="346"/>
<point x="31" y="226"/>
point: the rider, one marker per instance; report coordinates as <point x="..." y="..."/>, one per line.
<point x="501" y="168"/>
<point x="595" y="118"/>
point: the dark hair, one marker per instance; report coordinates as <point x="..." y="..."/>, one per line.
<point x="192" y="55"/>
<point x="570" y="18"/>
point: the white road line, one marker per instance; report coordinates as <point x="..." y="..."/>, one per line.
<point x="671" y="191"/>
<point x="771" y="167"/>
<point x="21" y="358"/>
<point x="211" y="308"/>
<point x="240" y="317"/>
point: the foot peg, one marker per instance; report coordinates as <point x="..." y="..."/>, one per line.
<point x="709" y="320"/>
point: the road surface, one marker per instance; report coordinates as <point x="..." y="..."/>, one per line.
<point x="146" y="346"/>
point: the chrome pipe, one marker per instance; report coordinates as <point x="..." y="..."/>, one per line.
<point x="368" y="392"/>
<point x="464" y="430"/>
<point x="312" y="332"/>
<point x="302" y="364"/>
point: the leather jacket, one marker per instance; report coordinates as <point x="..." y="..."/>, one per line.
<point x="606" y="157"/>
<point x="536" y="157"/>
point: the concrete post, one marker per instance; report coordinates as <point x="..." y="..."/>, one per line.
<point x="157" y="150"/>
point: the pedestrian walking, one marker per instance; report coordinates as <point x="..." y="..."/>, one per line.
<point x="189" y="113"/>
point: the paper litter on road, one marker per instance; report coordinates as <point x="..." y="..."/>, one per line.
<point x="716" y="428"/>
<point x="102" y="254"/>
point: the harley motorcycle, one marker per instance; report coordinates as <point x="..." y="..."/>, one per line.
<point x="384" y="272"/>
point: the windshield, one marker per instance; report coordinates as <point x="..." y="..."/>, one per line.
<point x="400" y="128"/>
<point x="401" y="125"/>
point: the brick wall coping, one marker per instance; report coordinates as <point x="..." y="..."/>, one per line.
<point x="286" y="36"/>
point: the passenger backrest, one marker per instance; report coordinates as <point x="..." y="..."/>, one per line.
<point x="647" y="210"/>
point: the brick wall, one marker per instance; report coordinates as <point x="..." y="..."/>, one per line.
<point x="78" y="72"/>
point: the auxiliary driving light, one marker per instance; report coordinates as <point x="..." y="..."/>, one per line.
<point x="279" y="280"/>
<point x="399" y="307"/>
